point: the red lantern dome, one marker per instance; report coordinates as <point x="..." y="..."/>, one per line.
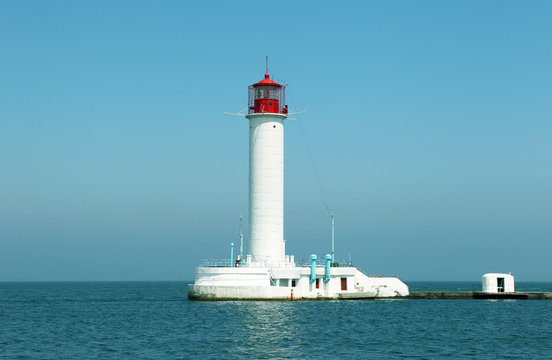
<point x="267" y="96"/>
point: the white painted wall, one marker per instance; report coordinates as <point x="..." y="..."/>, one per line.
<point x="266" y="187"/>
<point x="232" y="276"/>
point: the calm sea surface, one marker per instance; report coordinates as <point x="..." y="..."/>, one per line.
<point x="155" y="320"/>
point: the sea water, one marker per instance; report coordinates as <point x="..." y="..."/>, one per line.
<point x="155" y="320"/>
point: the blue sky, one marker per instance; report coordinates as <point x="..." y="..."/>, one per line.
<point x="429" y="123"/>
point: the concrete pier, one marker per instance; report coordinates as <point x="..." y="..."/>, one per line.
<point x="455" y="295"/>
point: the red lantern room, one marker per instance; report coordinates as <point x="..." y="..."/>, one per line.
<point x="267" y="96"/>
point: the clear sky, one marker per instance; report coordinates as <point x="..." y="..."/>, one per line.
<point x="429" y="123"/>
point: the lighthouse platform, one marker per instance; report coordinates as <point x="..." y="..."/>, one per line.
<point x="258" y="281"/>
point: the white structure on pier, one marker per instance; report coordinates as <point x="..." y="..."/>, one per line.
<point x="267" y="272"/>
<point x="497" y="283"/>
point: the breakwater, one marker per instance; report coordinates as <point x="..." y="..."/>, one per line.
<point x="455" y="295"/>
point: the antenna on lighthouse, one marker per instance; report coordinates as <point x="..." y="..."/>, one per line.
<point x="267" y="64"/>
<point x="333" y="234"/>
<point x="241" y="237"/>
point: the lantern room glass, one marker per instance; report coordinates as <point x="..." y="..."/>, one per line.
<point x="267" y="92"/>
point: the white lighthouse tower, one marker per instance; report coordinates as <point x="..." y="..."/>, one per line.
<point x="267" y="112"/>
<point x="267" y="272"/>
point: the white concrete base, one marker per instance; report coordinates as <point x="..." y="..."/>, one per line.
<point x="285" y="283"/>
<point x="490" y="283"/>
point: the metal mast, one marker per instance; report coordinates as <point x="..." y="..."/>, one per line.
<point x="241" y="238"/>
<point x="333" y="236"/>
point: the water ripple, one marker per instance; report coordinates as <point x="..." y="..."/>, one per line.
<point x="155" y="320"/>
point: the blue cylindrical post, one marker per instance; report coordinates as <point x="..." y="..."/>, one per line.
<point x="313" y="268"/>
<point x="328" y="262"/>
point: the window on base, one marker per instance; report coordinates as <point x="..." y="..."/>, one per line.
<point x="284" y="282"/>
<point x="293" y="283"/>
<point x="317" y="283"/>
<point x="343" y="283"/>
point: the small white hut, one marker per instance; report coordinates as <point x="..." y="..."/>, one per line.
<point x="498" y="283"/>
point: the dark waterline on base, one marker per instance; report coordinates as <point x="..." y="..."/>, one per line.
<point x="153" y="320"/>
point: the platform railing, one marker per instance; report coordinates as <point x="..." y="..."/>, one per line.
<point x="230" y="263"/>
<point x="217" y="263"/>
<point x="301" y="263"/>
<point x="320" y="261"/>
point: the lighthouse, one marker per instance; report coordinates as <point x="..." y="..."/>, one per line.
<point x="266" y="115"/>
<point x="267" y="273"/>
